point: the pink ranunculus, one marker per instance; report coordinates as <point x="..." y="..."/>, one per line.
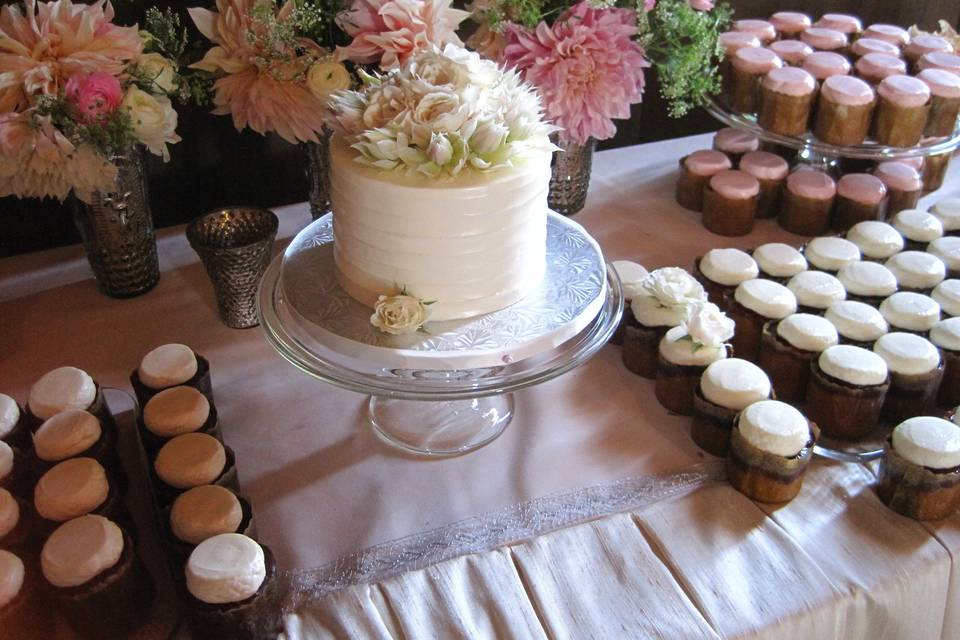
<point x="701" y="5"/>
<point x="95" y="96"/>
<point x="587" y="68"/>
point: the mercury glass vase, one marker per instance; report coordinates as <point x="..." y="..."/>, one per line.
<point x="318" y="173"/>
<point x="570" y="176"/>
<point x="117" y="231"/>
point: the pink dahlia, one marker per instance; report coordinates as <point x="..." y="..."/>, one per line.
<point x="587" y="68"/>
<point x="262" y="89"/>
<point x="391" y="31"/>
<point x="44" y="45"/>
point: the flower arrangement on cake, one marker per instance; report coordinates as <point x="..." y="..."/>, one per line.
<point x="77" y="91"/>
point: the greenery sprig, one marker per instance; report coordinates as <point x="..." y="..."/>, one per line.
<point x="111" y="136"/>
<point x="166" y="35"/>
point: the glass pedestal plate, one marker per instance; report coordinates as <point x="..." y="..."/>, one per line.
<point x="448" y="389"/>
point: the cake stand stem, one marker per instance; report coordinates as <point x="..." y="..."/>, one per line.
<point x="440" y="428"/>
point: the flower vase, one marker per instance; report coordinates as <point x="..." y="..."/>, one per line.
<point x="570" y="176"/>
<point x="318" y="173"/>
<point x="117" y="231"/>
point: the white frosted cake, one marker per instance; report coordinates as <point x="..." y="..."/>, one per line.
<point x="439" y="176"/>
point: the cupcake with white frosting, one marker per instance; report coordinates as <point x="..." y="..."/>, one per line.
<point x="229" y="581"/>
<point x="752" y="305"/>
<point x="191" y="460"/>
<point x="946" y="336"/>
<point x="857" y="323"/>
<point x="910" y="312"/>
<point x="726" y="388"/>
<point x="96" y="578"/>
<point x="660" y="303"/>
<point x="173" y="412"/>
<point x="722" y="270"/>
<point x="631" y="275"/>
<point x="770" y="448"/>
<point x="947" y="295"/>
<point x="947" y="249"/>
<point x="816" y="291"/>
<point x="62" y="389"/>
<point x="876" y="240"/>
<point x="686" y="351"/>
<point x="915" y="372"/>
<point x="204" y="512"/>
<point x="779" y="261"/>
<point x="868" y="282"/>
<point x="73" y="434"/>
<point x="917" y="271"/>
<point x="24" y="613"/>
<point x="13" y="424"/>
<point x="847" y="389"/>
<point x="73" y="488"/>
<point x="918" y="228"/>
<point x="947" y="211"/>
<point x="788" y="348"/>
<point x="171" y="365"/>
<point x="830" y="254"/>
<point x="920" y="474"/>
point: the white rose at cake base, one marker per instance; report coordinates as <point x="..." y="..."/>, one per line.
<point x="399" y="314"/>
<point x="439" y="175"/>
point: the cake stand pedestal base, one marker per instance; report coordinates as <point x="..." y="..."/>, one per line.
<point x="440" y="428"/>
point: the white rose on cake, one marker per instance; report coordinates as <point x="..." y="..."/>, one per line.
<point x="673" y="287"/>
<point x="399" y="314"/>
<point x="153" y="120"/>
<point x="708" y="326"/>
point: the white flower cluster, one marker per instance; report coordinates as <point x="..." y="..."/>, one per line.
<point x="708" y="326"/>
<point x="665" y="297"/>
<point x="443" y="112"/>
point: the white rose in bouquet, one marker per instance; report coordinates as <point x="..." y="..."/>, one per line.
<point x="708" y="326"/>
<point x="158" y="70"/>
<point x="399" y="314"/>
<point x="153" y="120"/>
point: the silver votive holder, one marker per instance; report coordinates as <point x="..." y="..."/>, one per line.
<point x="235" y="246"/>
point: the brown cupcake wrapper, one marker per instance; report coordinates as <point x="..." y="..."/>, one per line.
<point x="728" y="217"/>
<point x="949" y="393"/>
<point x="915" y="491"/>
<point x="749" y="326"/>
<point x="898" y="126"/>
<point x="911" y="395"/>
<point x="764" y="476"/>
<point x="689" y="190"/>
<point x="641" y="347"/>
<point x="849" y="212"/>
<point x="899" y="200"/>
<point x="840" y="409"/>
<point x="785" y="114"/>
<point x="841" y="124"/>
<point x="787" y="367"/>
<point x="805" y="216"/>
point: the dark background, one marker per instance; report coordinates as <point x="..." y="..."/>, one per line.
<point x="215" y="165"/>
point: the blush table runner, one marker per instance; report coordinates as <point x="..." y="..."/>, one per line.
<point x="593" y="516"/>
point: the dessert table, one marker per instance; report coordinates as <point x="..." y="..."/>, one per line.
<point x="593" y="516"/>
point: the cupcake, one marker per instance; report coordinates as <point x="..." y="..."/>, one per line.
<point x="874" y="67"/>
<point x="771" y="171"/>
<point x="864" y="46"/>
<point x="947" y="295"/>
<point x="730" y="203"/>
<point x="857" y="323"/>
<point x="792" y="52"/>
<point x="13" y="424"/>
<point x="62" y="389"/>
<point x="844" y="110"/>
<point x="687" y="350"/>
<point x="944" y="103"/>
<point x="823" y="64"/>
<point x="770" y="447"/>
<point x="947" y="211"/>
<point x="923" y="44"/>
<point x="904" y="185"/>
<point x="722" y="270"/>
<point x="917" y="227"/>
<point x="860" y="197"/>
<point x="903" y="105"/>
<point x="779" y="261"/>
<point x="848" y="386"/>
<point x="790" y="24"/>
<point x="848" y="25"/>
<point x="946" y="336"/>
<point x="73" y="488"/>
<point x="726" y="388"/>
<point x="920" y="473"/>
<point x="786" y="99"/>
<point x="752" y="304"/>
<point x="171" y="365"/>
<point x="631" y="275"/>
<point x="17" y="525"/>
<point x="190" y="460"/>
<point x="788" y="348"/>
<point x="96" y="579"/>
<point x="816" y="291"/>
<point x="910" y="312"/>
<point x="734" y="143"/>
<point x="173" y="412"/>
<point x="934" y="170"/>
<point x="917" y="271"/>
<point x="868" y="282"/>
<point x="230" y="589"/>
<point x="204" y="512"/>
<point x="696" y="170"/>
<point x="807" y="202"/>
<point x="893" y="34"/>
<point x="14" y="474"/>
<point x="876" y="240"/>
<point x="822" y="39"/>
<point x="763" y="30"/>
<point x="24" y="614"/>
<point x="915" y="372"/>
<point x="939" y="60"/>
<point x="732" y="41"/>
<point x="747" y="68"/>
<point x="830" y="254"/>
<point x="72" y="434"/>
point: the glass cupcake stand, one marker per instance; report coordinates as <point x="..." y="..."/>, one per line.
<point x="447" y="389"/>
<point x="826" y="156"/>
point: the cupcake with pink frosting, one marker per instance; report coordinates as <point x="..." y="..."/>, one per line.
<point x="893" y="34"/>
<point x="790" y="24"/>
<point x="903" y="105"/>
<point x="734" y="143"/>
<point x="944" y="102"/>
<point x="747" y="68"/>
<point x="763" y="30"/>
<point x="822" y="39"/>
<point x="860" y="197"/>
<point x="923" y="44"/>
<point x="823" y="64"/>
<point x="808" y="202"/>
<point x="696" y="170"/>
<point x="792" y="52"/>
<point x="904" y="185"/>
<point x="786" y="98"/>
<point x="730" y="203"/>
<point x="874" y="67"/>
<point x="848" y="25"/>
<point x="844" y="110"/>
<point x="940" y="60"/>
<point x="771" y="171"/>
<point x="863" y="46"/>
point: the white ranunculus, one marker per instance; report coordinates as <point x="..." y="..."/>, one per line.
<point x="672" y="287"/>
<point x="440" y="151"/>
<point x="153" y="119"/>
<point x="160" y="71"/>
<point x="326" y="77"/>
<point x="708" y="326"/>
<point x="434" y="105"/>
<point x="399" y="314"/>
<point x="488" y="137"/>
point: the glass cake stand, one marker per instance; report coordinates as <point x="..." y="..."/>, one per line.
<point x="448" y="389"/>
